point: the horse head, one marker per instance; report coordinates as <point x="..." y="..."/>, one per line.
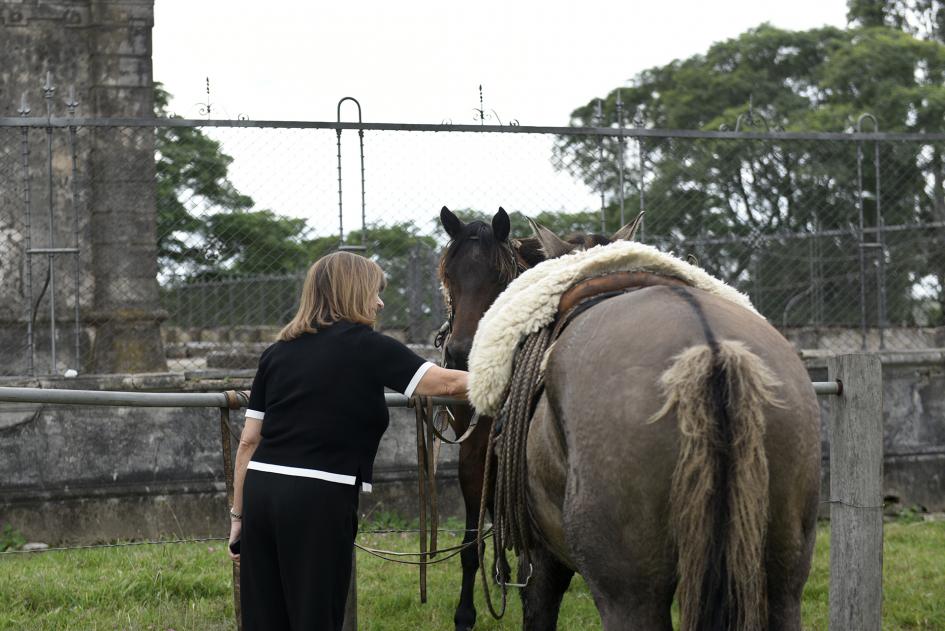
<point x="478" y="264"/>
<point x="551" y="246"/>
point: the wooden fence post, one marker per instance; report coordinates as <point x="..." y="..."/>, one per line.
<point x="856" y="493"/>
<point x="351" y="606"/>
<point x="227" y="449"/>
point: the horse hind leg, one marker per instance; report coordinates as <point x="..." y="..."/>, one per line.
<point x="626" y="606"/>
<point x="789" y="560"/>
<point x="547" y="581"/>
<point x="630" y="571"/>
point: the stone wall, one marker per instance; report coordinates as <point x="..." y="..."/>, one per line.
<point x="76" y="473"/>
<point x="81" y="474"/>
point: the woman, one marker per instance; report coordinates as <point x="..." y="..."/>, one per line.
<point x="316" y="415"/>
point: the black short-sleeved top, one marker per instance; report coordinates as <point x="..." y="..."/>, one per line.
<point x="321" y="400"/>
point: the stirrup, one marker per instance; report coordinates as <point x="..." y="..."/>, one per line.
<point x="498" y="580"/>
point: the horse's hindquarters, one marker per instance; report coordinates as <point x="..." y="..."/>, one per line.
<point x="602" y="389"/>
<point x="547" y="479"/>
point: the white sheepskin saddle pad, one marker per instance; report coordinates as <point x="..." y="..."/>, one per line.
<point x="530" y="302"/>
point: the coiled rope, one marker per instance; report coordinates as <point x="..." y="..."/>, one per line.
<point x="508" y="440"/>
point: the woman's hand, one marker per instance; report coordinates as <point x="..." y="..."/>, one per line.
<point x="236" y="527"/>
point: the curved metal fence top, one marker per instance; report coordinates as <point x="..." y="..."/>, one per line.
<point x="626" y="132"/>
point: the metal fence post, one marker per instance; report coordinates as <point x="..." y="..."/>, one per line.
<point x="620" y="161"/>
<point x="641" y="148"/>
<point x="24" y="111"/>
<point x="48" y="92"/>
<point x="228" y="475"/>
<point x="600" y="167"/>
<point x="856" y="493"/>
<point x="414" y="297"/>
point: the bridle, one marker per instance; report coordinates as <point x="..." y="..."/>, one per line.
<point x="446" y="329"/>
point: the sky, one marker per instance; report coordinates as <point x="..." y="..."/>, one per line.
<point x="422" y="61"/>
<point x="416" y="61"/>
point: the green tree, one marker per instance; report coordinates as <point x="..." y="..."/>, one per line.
<point x="211" y="234"/>
<point x="924" y="19"/>
<point x="723" y="199"/>
<point x="191" y="172"/>
<point x="206" y="227"/>
<point x="261" y="242"/>
<point x="412" y="298"/>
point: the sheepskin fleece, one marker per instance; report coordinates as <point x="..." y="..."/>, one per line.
<point x="530" y="302"/>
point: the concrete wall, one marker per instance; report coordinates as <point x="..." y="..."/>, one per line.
<point x="82" y="474"/>
<point x="914" y="431"/>
<point x="86" y="474"/>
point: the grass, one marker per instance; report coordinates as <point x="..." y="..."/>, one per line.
<point x="186" y="587"/>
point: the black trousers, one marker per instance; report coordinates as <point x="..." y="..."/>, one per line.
<point x="295" y="554"/>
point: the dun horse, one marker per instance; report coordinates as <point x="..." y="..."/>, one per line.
<point x="674" y="451"/>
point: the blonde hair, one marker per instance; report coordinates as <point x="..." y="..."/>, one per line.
<point x="338" y="286"/>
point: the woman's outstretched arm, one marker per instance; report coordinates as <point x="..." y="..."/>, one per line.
<point x="443" y="382"/>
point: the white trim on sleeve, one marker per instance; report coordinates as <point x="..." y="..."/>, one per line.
<point x="366" y="487"/>
<point x="417" y="376"/>
<point x="255" y="414"/>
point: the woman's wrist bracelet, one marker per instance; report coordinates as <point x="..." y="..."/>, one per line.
<point x="234" y="516"/>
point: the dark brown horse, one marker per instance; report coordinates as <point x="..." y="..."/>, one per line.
<point x="674" y="451"/>
<point x="480" y="261"/>
<point x="477" y="265"/>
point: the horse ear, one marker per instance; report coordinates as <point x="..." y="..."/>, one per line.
<point x="528" y="250"/>
<point x="627" y="232"/>
<point x="551" y="244"/>
<point x="451" y="223"/>
<point x="501" y="226"/>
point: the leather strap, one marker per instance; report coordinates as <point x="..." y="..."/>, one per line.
<point x="609" y="283"/>
<point x="235" y="399"/>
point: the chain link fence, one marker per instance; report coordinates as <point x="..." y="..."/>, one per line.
<point x="198" y="233"/>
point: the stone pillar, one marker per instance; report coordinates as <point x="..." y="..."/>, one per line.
<point x="103" y="48"/>
<point x="123" y="195"/>
<point x="35" y="38"/>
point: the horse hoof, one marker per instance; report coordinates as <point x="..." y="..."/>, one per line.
<point x="464" y="626"/>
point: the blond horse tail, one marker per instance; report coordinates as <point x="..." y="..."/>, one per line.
<point x="719" y="498"/>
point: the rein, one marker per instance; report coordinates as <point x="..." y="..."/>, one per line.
<point x="429" y="438"/>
